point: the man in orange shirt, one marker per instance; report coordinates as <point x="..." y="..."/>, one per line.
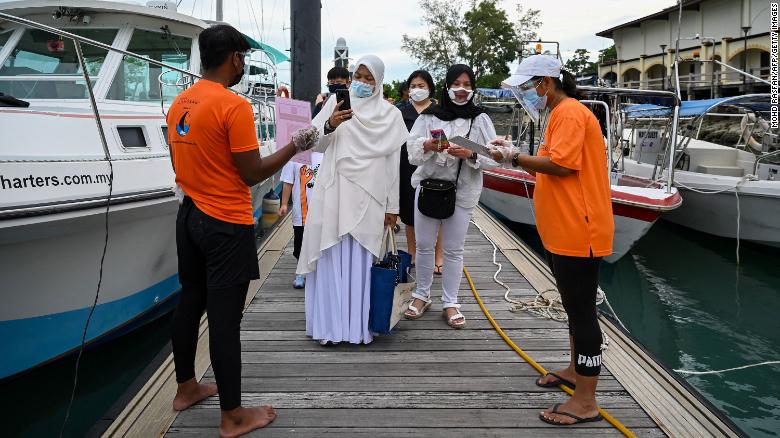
<point x="215" y="156"/>
<point x="574" y="218"/>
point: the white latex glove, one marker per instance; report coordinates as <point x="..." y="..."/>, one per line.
<point x="306" y="138"/>
<point x="501" y="150"/>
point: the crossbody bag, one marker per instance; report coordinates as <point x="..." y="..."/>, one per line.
<point x="437" y="196"/>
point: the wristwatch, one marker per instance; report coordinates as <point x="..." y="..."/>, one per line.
<point x="328" y="127"/>
<point x="473" y="156"/>
<point x="516" y="163"/>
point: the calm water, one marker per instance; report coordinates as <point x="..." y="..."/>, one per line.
<point x="34" y="404"/>
<point x="682" y="295"/>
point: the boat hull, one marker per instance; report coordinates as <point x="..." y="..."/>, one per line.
<point x="716" y="213"/>
<point x="50" y="267"/>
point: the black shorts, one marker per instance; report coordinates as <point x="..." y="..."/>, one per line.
<point x="216" y="253"/>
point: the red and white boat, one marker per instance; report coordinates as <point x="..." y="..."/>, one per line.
<point x="636" y="206"/>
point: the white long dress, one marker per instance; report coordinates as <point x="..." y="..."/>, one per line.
<point x="356" y="186"/>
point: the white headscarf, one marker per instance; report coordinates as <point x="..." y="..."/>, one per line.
<point x="376" y="130"/>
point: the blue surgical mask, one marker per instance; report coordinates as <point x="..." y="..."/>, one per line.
<point x="361" y="89"/>
<point x="532" y="99"/>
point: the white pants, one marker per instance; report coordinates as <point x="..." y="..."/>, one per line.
<point x="453" y="234"/>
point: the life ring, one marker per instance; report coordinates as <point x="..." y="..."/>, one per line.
<point x="282" y="91"/>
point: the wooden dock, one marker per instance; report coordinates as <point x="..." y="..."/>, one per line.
<point x="427" y="379"/>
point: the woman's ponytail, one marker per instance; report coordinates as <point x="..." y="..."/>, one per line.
<point x="568" y="84"/>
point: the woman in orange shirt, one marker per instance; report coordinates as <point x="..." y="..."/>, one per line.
<point x="574" y="219"/>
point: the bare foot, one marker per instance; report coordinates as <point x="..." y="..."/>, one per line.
<point x="571" y="407"/>
<point x="191" y="392"/>
<point x="566" y="373"/>
<point x="241" y="420"/>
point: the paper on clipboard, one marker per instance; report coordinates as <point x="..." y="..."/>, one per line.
<point x="292" y="115"/>
<point x="471" y="145"/>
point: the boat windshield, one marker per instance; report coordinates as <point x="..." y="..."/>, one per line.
<point x="45" y="66"/>
<point x="137" y="80"/>
<point x="5" y="35"/>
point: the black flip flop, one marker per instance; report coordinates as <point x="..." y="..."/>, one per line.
<point x="577" y="420"/>
<point x="554" y="383"/>
<point x="437" y="269"/>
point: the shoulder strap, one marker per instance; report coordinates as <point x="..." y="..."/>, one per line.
<point x="460" y="162"/>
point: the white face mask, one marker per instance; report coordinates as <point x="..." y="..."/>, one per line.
<point x="419" y="94"/>
<point x="451" y="92"/>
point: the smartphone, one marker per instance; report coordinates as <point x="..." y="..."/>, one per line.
<point x="439" y="135"/>
<point x="343" y="96"/>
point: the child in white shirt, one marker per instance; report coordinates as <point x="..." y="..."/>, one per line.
<point x="299" y="179"/>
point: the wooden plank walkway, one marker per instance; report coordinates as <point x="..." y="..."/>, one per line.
<point x="425" y="380"/>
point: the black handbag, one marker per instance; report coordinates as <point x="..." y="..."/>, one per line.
<point x="437" y="196"/>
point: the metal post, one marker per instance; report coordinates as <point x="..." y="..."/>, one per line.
<point x="745" y="29"/>
<point x="93" y="102"/>
<point x="219" y="10"/>
<point x="305" y="52"/>
<point x="663" y="64"/>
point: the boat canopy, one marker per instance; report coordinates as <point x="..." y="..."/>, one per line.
<point x="693" y="108"/>
<point x="496" y="93"/>
<point x="276" y="55"/>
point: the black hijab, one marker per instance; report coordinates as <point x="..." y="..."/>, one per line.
<point x="447" y="110"/>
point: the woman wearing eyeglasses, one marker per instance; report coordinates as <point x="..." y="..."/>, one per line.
<point x="573" y="217"/>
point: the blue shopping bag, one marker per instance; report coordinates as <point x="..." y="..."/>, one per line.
<point x="389" y="287"/>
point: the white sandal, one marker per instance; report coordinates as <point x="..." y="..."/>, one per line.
<point x="451" y="320"/>
<point x="417" y="312"/>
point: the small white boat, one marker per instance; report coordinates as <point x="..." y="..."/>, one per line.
<point x="55" y="170"/>
<point x="729" y="191"/>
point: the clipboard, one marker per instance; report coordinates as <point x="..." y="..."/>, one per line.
<point x="471" y="145"/>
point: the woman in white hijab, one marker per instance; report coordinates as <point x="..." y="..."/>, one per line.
<point x="356" y="194"/>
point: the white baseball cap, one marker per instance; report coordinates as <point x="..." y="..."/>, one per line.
<point x="536" y="65"/>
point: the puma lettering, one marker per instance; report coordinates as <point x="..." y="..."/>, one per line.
<point x="589" y="361"/>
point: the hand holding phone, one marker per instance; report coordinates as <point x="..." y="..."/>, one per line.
<point x="343" y="111"/>
<point x="441" y="139"/>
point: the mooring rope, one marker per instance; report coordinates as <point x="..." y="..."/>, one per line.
<point x="703" y="373"/>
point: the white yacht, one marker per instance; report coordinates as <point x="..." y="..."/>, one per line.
<point x="56" y="168"/>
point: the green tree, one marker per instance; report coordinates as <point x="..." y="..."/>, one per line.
<point x="438" y="50"/>
<point x="608" y="54"/>
<point x="579" y="63"/>
<point x="490" y="41"/>
<point x="482" y="37"/>
<point x="528" y="22"/>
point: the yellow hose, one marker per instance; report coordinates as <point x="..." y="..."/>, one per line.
<point x="612" y="420"/>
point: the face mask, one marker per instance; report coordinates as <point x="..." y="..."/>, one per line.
<point x="238" y="76"/>
<point x="533" y="99"/>
<point x="451" y="92"/>
<point x="361" y="89"/>
<point x="332" y="88"/>
<point x="419" y="94"/>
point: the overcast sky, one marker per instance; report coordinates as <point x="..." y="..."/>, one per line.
<point x="376" y="27"/>
<point x="372" y="26"/>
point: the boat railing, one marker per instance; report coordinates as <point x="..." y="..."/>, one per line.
<point x="763" y="158"/>
<point x="260" y="104"/>
<point x="607" y="123"/>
